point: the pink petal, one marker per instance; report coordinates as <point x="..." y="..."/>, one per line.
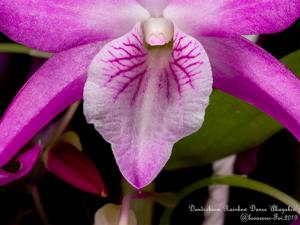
<point x="69" y="164"/>
<point x="246" y="71"/>
<point x="142" y="102"/>
<point x="220" y="18"/>
<point x="27" y="160"/>
<point x="55" y="86"/>
<point x="55" y="25"/>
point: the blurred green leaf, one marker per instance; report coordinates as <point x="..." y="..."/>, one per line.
<point x="231" y="126"/>
<point x="71" y="137"/>
<point x="166" y="199"/>
<point x="293" y="62"/>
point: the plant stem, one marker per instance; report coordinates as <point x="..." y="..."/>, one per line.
<point x="235" y="181"/>
<point x="142" y="204"/>
<point x="64" y="123"/>
<point x="125" y="209"/>
<point x="38" y="204"/>
<point x="20" y="49"/>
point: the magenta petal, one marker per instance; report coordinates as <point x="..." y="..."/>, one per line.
<point x="143" y="101"/>
<point x="27" y="160"/>
<point x="55" y="86"/>
<point x="72" y="166"/>
<point x="223" y="17"/>
<point x="246" y="71"/>
<point x="56" y="25"/>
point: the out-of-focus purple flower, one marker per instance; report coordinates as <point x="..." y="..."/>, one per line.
<point x="147" y="88"/>
<point x="25" y="163"/>
<point x="247" y="161"/>
<point x="296" y="222"/>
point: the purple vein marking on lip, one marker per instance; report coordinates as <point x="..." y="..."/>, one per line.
<point x="126" y="66"/>
<point x="190" y="58"/>
<point x="126" y="60"/>
<point x="168" y="85"/>
<point x="138" y="88"/>
<point x="126" y="85"/>
<point x="123" y="71"/>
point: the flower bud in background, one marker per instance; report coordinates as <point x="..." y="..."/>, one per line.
<point x="246" y="161"/>
<point x="25" y="162"/>
<point x="67" y="162"/>
<point x="110" y="214"/>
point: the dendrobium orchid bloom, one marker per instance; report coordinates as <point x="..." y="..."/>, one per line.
<point x="144" y="69"/>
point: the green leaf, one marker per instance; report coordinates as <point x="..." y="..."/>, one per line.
<point x="231" y="126"/>
<point x="234" y="181"/>
<point x="71" y="137"/>
<point x="166" y="199"/>
<point x="293" y="62"/>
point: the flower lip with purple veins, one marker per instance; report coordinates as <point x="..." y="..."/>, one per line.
<point x="149" y="99"/>
<point x="143" y="99"/>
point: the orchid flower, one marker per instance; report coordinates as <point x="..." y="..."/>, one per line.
<point x="144" y="69"/>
